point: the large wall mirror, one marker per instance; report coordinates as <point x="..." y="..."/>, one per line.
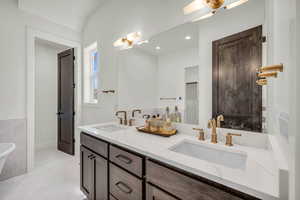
<point x="199" y="70"/>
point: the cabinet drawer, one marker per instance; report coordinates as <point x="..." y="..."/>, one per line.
<point x="128" y="161"/>
<point x="94" y="144"/>
<point x="123" y="185"/>
<point x="154" y="193"/>
<point x="185" y="187"/>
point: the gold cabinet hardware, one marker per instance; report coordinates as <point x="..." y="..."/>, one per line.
<point x="201" y="133"/>
<point x="268" y="75"/>
<point x="277" y="68"/>
<point x="229" y="138"/>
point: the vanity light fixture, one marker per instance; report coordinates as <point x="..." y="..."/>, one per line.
<point x="188" y="37"/>
<point x="235" y="4"/>
<point x="143" y="42"/>
<point x="214" y="5"/>
<point x="128" y="41"/>
<point x="194" y="6"/>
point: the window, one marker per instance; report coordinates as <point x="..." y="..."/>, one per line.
<point x="91" y="74"/>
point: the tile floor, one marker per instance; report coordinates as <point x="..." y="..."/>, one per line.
<point x="56" y="176"/>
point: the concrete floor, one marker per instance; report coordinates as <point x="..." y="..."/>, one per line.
<point x="56" y="176"/>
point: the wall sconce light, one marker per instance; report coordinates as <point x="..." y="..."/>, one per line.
<point x="268" y="72"/>
<point x="130" y="40"/>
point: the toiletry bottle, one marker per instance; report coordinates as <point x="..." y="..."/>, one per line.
<point x="177" y="115"/>
<point x="167" y="114"/>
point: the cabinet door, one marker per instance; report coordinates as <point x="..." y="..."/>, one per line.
<point x="86" y="172"/>
<point x="100" y="178"/>
<point x="154" y="193"/>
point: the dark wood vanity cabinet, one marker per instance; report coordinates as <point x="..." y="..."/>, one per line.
<point x="94" y="175"/>
<point x="153" y="193"/>
<point x="86" y="172"/>
<point x="111" y="172"/>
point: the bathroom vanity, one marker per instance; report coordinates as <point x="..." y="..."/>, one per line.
<point x="125" y="164"/>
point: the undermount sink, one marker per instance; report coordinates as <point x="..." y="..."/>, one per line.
<point x="110" y="128"/>
<point x="218" y="155"/>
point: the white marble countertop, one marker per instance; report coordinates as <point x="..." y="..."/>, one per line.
<point x="259" y="177"/>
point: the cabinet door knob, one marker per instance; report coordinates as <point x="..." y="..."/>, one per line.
<point x="124" y="159"/>
<point x="123" y="187"/>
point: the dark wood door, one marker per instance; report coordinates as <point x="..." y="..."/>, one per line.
<point x="100" y="180"/>
<point x="86" y="172"/>
<point x="154" y="193"/>
<point x="66" y="112"/>
<point x="235" y="92"/>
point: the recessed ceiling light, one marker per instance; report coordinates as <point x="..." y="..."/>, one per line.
<point x="157" y="48"/>
<point x="188" y="37"/>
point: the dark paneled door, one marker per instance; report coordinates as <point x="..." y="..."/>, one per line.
<point x="66" y="114"/>
<point x="235" y="92"/>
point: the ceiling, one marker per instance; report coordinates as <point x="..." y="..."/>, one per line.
<point x="70" y="13"/>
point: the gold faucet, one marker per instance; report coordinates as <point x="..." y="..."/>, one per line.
<point x="220" y="119"/>
<point x="229" y="139"/>
<point x="130" y="121"/>
<point x="134" y="111"/>
<point x="125" y="117"/>
<point x="213" y="126"/>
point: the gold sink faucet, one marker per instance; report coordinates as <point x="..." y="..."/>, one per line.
<point x="213" y="126"/>
<point x="134" y="111"/>
<point x="220" y="119"/>
<point x="130" y="121"/>
<point x="125" y="117"/>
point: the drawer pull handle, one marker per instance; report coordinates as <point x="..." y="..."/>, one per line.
<point x="124" y="159"/>
<point x="123" y="187"/>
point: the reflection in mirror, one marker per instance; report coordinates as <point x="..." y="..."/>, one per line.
<point x="162" y="76"/>
<point x="200" y="70"/>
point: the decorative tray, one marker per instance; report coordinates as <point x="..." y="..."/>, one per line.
<point x="160" y="133"/>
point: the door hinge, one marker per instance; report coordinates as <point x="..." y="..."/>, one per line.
<point x="74" y="85"/>
<point x="263" y="39"/>
<point x="74" y="140"/>
<point x="74" y="113"/>
<point x="74" y="58"/>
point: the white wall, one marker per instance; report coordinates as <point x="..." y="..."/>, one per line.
<point x="171" y="75"/>
<point x="114" y="20"/>
<point x="13" y="56"/>
<point x="46" y="95"/>
<point x="282" y="92"/>
<point x="137" y="80"/>
<point x="223" y="24"/>
<point x="13" y="24"/>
